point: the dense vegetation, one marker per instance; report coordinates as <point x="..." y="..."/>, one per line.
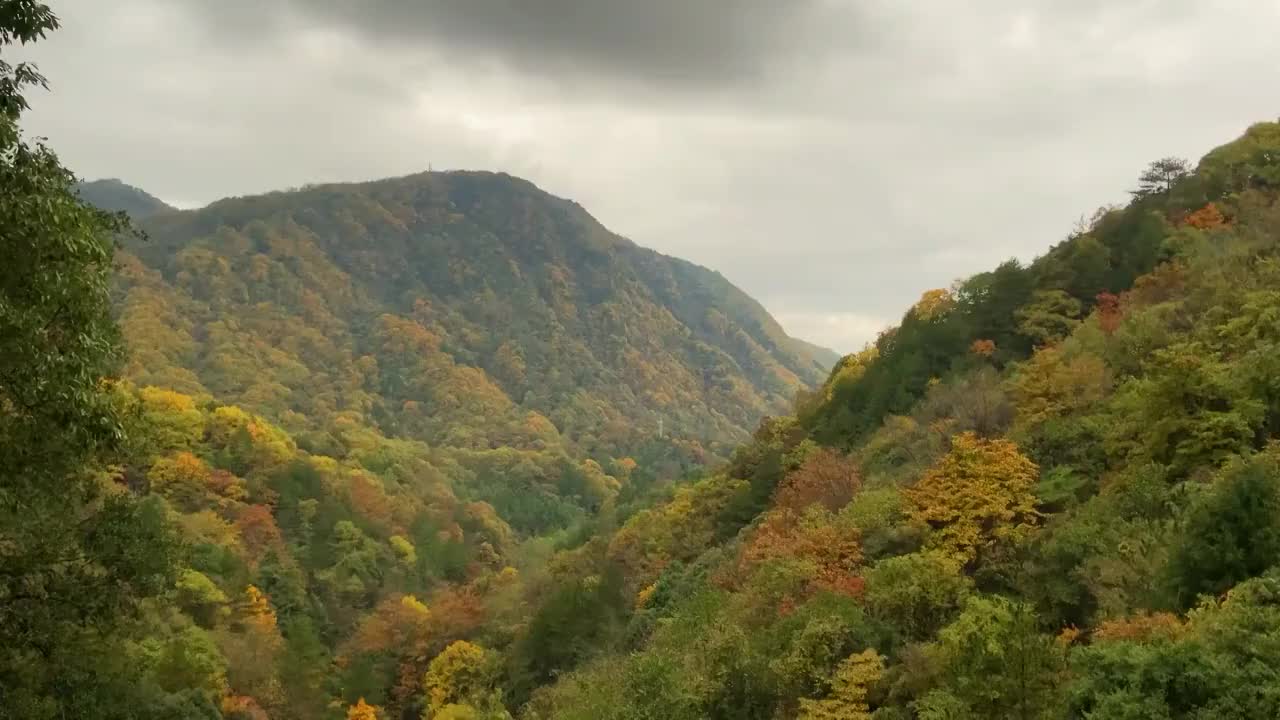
<point x="388" y="451"/>
<point x="461" y="309"/>
<point x="1052" y="491"/>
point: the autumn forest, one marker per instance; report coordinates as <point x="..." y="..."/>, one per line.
<point x="443" y="447"/>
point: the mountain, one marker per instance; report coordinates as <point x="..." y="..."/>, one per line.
<point x="464" y="309"/>
<point x="116" y="196"/>
<point x="825" y="356"/>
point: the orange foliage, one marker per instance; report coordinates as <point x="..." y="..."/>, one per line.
<point x="1141" y="628"/>
<point x="369" y="499"/>
<point x="1069" y="636"/>
<point x="227" y="485"/>
<point x="826" y="478"/>
<point x="398" y="622"/>
<point x="984" y="348"/>
<point x="258" y="530"/>
<point x="242" y="707"/>
<point x="1109" y="312"/>
<point x="1167" y="282"/>
<point x="1206" y="218"/>
<point x="834" y="552"/>
<point x="976" y="496"/>
<point x="457" y="611"/>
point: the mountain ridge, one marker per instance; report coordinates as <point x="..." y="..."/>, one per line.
<point x="655" y="340"/>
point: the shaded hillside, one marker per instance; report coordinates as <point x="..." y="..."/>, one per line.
<point x="464" y="309"/>
<point x="116" y="196"/>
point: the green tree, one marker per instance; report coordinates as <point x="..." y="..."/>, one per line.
<point x="917" y="593"/>
<point x="77" y="553"/>
<point x="995" y="663"/>
<point x="1231" y="534"/>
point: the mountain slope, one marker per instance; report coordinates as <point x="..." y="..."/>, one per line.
<point x="1051" y="492"/>
<point x="464" y="309"/>
<point x="116" y="196"/>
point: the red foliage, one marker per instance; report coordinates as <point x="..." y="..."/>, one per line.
<point x="1109" y="312"/>
<point x="826" y="478"/>
<point x="258" y="530"/>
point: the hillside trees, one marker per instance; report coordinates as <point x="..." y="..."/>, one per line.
<point x="78" y="553"/>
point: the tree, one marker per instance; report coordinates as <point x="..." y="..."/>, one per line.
<point x="994" y="663"/>
<point x="362" y="711"/>
<point x="848" y="698"/>
<point x="1050" y="316"/>
<point x="916" y="593"/>
<point x="977" y="496"/>
<point x="825" y="477"/>
<point x="1160" y="177"/>
<point x="77" y="553"/>
<point x="1230" y="535"/>
<point x="457" y="675"/>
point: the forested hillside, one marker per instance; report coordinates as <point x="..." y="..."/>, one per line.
<point x="1052" y="491"/>
<point x="392" y="451"/>
<point x="461" y="309"/>
<point x="116" y="196"/>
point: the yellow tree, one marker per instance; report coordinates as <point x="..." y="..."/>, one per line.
<point x="934" y="304"/>
<point x="849" y="686"/>
<point x="456" y="675"/>
<point x="976" y="497"/>
<point x="362" y="711"/>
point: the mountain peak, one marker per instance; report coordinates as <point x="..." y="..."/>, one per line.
<point x="116" y="195"/>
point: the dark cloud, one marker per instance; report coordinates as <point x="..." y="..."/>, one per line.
<point x="835" y="158"/>
<point x="672" y="43"/>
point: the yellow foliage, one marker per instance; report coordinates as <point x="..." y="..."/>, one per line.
<point x="933" y="304"/>
<point x="1051" y="385"/>
<point x="405" y="552"/>
<point x="362" y="711"/>
<point x="414" y="605"/>
<point x="257" y="609"/>
<point x="849" y="687"/>
<point x="976" y="496"/>
<point x="1069" y="636"/>
<point x="644" y="596"/>
<point x="182" y="477"/>
<point x="455" y="674"/>
<point x="174" y="418"/>
<point x="225" y="421"/>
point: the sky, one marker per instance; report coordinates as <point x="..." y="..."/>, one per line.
<point x="833" y="158"/>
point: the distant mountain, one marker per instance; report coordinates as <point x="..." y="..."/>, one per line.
<point x="825" y="356"/>
<point x="116" y="196"/>
<point x="465" y="309"/>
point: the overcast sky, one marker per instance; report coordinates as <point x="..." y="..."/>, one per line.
<point x="834" y="158"/>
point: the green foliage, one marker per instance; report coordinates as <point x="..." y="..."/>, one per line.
<point x="78" y="554"/>
<point x="1224" y="665"/>
<point x="994" y="662"/>
<point x="916" y="594"/>
<point x="1231" y="534"/>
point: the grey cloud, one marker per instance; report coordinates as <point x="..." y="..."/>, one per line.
<point x="668" y="43"/>
<point x="835" y="158"/>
